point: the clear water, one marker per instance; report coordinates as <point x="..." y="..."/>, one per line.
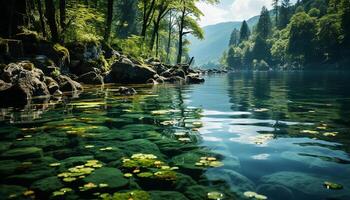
<point x="281" y="135"/>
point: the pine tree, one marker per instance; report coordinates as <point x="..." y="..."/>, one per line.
<point x="263" y="28"/>
<point x="276" y="10"/>
<point x="284" y="14"/>
<point x="234" y="40"/>
<point x="244" y="32"/>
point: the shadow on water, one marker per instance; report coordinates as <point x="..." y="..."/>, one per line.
<point x="281" y="135"/>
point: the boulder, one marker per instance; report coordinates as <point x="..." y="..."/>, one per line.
<point x="45" y="64"/>
<point x="128" y="72"/>
<point x="26" y="82"/>
<point x="52" y="85"/>
<point x="91" y="78"/>
<point x="47" y="185"/>
<point x="194" y="78"/>
<point x="126" y="91"/>
<point x="67" y="84"/>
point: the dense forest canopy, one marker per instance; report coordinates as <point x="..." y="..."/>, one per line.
<point x="139" y="28"/>
<point x="308" y="34"/>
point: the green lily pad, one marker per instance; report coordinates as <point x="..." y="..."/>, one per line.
<point x="215" y="195"/>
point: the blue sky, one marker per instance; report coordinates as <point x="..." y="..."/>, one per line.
<point x="231" y="10"/>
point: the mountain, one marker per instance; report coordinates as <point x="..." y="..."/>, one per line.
<point x="216" y="41"/>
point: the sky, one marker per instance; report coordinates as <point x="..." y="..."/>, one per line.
<point x="231" y="10"/>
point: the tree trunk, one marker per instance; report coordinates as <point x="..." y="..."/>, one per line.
<point x="63" y="14"/>
<point x="169" y="39"/>
<point x="181" y="29"/>
<point x="109" y="20"/>
<point x="157" y="44"/>
<point x="147" y="13"/>
<point x="51" y="19"/>
<point x="42" y="22"/>
<point x="154" y="33"/>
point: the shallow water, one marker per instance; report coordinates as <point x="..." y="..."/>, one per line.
<point x="281" y="135"/>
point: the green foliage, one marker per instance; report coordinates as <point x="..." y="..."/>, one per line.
<point x="234" y="57"/>
<point x="302" y="36"/>
<point x="86" y="24"/>
<point x="314" y="12"/>
<point x="234" y="39"/>
<point x="329" y="34"/>
<point x="134" y="46"/>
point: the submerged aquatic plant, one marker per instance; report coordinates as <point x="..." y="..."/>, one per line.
<point x="80" y="171"/>
<point x="61" y="192"/>
<point x="134" y="195"/>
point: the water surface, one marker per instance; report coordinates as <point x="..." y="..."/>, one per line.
<point x="281" y="135"/>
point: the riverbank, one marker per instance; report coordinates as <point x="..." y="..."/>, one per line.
<point x="32" y="67"/>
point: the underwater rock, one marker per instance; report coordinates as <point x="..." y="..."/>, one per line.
<point x="199" y="192"/>
<point x="307" y="183"/>
<point x="105" y="175"/>
<point x="8" y="167"/>
<point x="75" y="160"/>
<point x="30" y="176"/>
<point x="44" y="141"/>
<point x="194" y="79"/>
<point x="47" y="185"/>
<point x="275" y="192"/>
<point x="11" y="191"/>
<point x="237" y="181"/>
<point x="23" y="153"/>
<point x="140" y="145"/>
<point x="168" y="195"/>
<point x="52" y="85"/>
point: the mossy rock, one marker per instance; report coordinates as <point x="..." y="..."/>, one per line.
<point x="141" y="146"/>
<point x="105" y="175"/>
<point x="47" y="185"/>
<point x="61" y="50"/>
<point x="11" y="191"/>
<point x="197" y="192"/>
<point x="23" y="153"/>
<point x="134" y="195"/>
<point x="30" y="176"/>
<point x="168" y="195"/>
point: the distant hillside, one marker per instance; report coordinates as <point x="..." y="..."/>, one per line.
<point x="216" y="41"/>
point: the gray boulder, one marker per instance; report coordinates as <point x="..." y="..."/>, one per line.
<point x="128" y="72"/>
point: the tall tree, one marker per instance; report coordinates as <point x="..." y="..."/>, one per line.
<point x="127" y="12"/>
<point x="234" y="39"/>
<point x="244" y="32"/>
<point x="284" y="14"/>
<point x="108" y="20"/>
<point x="170" y="30"/>
<point x="63" y="14"/>
<point x="263" y="28"/>
<point x="41" y="17"/>
<point x="148" y="9"/>
<point x="51" y="19"/>
<point x="275" y="5"/>
<point x="162" y="8"/>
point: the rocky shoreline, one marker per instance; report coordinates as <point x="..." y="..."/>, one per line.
<point x="32" y="67"/>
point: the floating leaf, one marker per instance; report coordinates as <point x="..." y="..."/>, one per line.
<point x="309" y="132"/>
<point x="28" y="193"/>
<point x="69" y="179"/>
<point x="128" y="175"/>
<point x="54" y="164"/>
<point x="250" y="194"/>
<point x="332" y="134"/>
<point x="332" y="186"/>
<point x="89" y="146"/>
<point x="215" y="195"/>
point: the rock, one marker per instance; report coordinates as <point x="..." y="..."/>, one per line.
<point x="74" y="161"/>
<point x="127" y="72"/>
<point x="126" y="91"/>
<point x="169" y="195"/>
<point x="30" y="40"/>
<point x="175" y="79"/>
<point x="194" y="78"/>
<point x="30" y="176"/>
<point x="47" y="185"/>
<point x="61" y="55"/>
<point x="307" y="183"/>
<point x="11" y="191"/>
<point x="237" y="182"/>
<point x="8" y="167"/>
<point x="45" y="64"/>
<point x="91" y="78"/>
<point x="105" y="175"/>
<point x="140" y="146"/>
<point x="68" y="85"/>
<point x="275" y="192"/>
<point x="52" y="85"/>
<point x="10" y="49"/>
<point x="26" y="82"/>
<point x="23" y="153"/>
<point x="45" y="141"/>
<point x="199" y="192"/>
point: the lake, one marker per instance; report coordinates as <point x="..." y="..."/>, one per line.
<point x="258" y="135"/>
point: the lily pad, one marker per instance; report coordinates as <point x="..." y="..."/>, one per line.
<point x="332" y="186"/>
<point x="215" y="195"/>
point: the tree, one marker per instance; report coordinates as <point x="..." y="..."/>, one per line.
<point x="261" y="49"/>
<point x="63" y="14"/>
<point x="275" y="10"/>
<point x="148" y="9"/>
<point x="263" y="28"/>
<point x="51" y="19"/>
<point x="329" y="35"/>
<point x="244" y="32"/>
<point x="284" y="14"/>
<point x="234" y="39"/>
<point x="126" y="17"/>
<point x="108" y="20"/>
<point x="234" y="58"/>
<point x="345" y="21"/>
<point x="41" y="17"/>
<point x="302" y="37"/>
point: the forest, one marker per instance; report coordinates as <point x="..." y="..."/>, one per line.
<point x="139" y="28"/>
<point x="311" y="34"/>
